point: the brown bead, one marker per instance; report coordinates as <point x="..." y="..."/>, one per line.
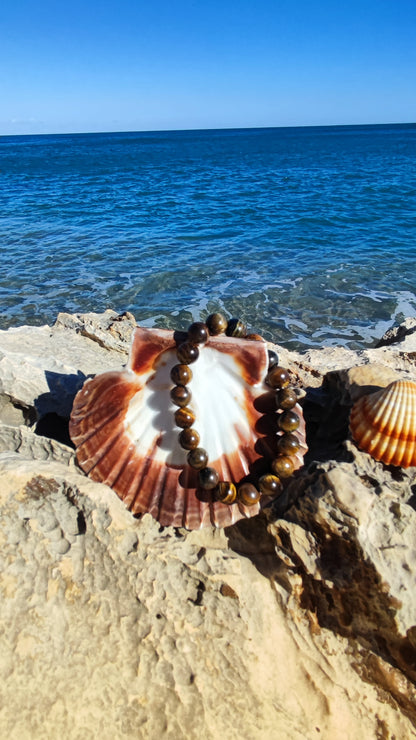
<point x="288" y="444"/>
<point x="273" y="358"/>
<point x="283" y="466"/>
<point x="278" y="377"/>
<point x="286" y="399"/>
<point x="197" y="458"/>
<point x="269" y="484"/>
<point x="189" y="439"/>
<point x="181" y="374"/>
<point x="198" y="333"/>
<point x="216" y="323"/>
<point x="187" y="353"/>
<point x="208" y="478"/>
<point x="236" y="328"/>
<point x="254" y="337"/>
<point x="288" y="421"/>
<point x="180" y="395"/>
<point x="184" y="417"/>
<point x="248" y="494"/>
<point x="226" y="492"/>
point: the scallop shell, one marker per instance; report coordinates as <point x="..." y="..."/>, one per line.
<point x="123" y="427"/>
<point x="384" y="424"/>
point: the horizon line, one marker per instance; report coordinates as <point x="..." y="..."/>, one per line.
<point x="210" y="128"/>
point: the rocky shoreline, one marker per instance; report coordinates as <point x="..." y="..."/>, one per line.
<point x="299" y="623"/>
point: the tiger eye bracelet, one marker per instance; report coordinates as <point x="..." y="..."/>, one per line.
<point x="287" y="445"/>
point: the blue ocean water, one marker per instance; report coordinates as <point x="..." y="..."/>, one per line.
<point x="308" y="234"/>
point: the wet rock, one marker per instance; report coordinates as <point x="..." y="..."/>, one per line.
<point x="404" y="334"/>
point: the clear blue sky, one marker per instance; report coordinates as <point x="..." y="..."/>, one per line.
<point x="95" y="65"/>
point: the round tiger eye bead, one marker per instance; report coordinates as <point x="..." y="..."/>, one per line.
<point x="198" y="333"/>
<point x="283" y="466"/>
<point x="197" y="458"/>
<point x="248" y="494"/>
<point x="288" y="421"/>
<point x="189" y="438"/>
<point x="216" y="323"/>
<point x="208" y="478"/>
<point x="286" y="399"/>
<point x="288" y="444"/>
<point x="236" y="328"/>
<point x="273" y="358"/>
<point x="187" y="353"/>
<point x="180" y="395"/>
<point x="226" y="492"/>
<point x="278" y="377"/>
<point x="269" y="484"/>
<point x="184" y="417"/>
<point x="181" y="374"/>
<point x="254" y="337"/>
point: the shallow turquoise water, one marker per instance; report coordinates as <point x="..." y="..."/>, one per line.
<point x="307" y="233"/>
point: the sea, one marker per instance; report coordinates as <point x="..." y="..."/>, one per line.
<point x="308" y="234"/>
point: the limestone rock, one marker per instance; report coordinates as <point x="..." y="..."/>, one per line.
<point x="110" y="330"/>
<point x="42" y="368"/>
<point x="115" y="629"/>
<point x="348" y="547"/>
<point x="354" y="382"/>
<point x="299" y="623"/>
<point x="395" y="352"/>
<point x="405" y="334"/>
<point x="34" y="446"/>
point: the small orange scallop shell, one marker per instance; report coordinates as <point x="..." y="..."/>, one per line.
<point x="123" y="427"/>
<point x="384" y="424"/>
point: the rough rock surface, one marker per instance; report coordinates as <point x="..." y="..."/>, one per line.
<point x="405" y="333"/>
<point x="299" y="623"/>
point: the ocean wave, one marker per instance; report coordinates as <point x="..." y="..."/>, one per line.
<point x="308" y="235"/>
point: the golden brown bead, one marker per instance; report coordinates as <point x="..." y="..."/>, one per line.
<point x="248" y="494"/>
<point x="236" y="328"/>
<point x="226" y="492"/>
<point x="288" y="444"/>
<point x="269" y="484"/>
<point x="198" y="333"/>
<point x="181" y="374"/>
<point x="208" y="478"/>
<point x="180" y="395"/>
<point x="187" y="353"/>
<point x="282" y="466"/>
<point x="288" y="421"/>
<point x="254" y="337"/>
<point x="286" y="399"/>
<point x="197" y="458"/>
<point x="184" y="417"/>
<point x="216" y="323"/>
<point x="189" y="439"/>
<point x="278" y="377"/>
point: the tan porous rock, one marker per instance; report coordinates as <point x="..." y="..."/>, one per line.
<point x="110" y="330"/>
<point x="298" y="624"/>
<point x="113" y="628"/>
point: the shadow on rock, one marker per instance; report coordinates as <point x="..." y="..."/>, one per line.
<point x="54" y="407"/>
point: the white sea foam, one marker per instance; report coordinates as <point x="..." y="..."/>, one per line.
<point x="309" y="244"/>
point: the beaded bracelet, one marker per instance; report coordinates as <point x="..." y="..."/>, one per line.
<point x="269" y="484"/>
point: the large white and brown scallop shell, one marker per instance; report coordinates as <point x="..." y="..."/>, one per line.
<point x="123" y="426"/>
<point x="384" y="424"/>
